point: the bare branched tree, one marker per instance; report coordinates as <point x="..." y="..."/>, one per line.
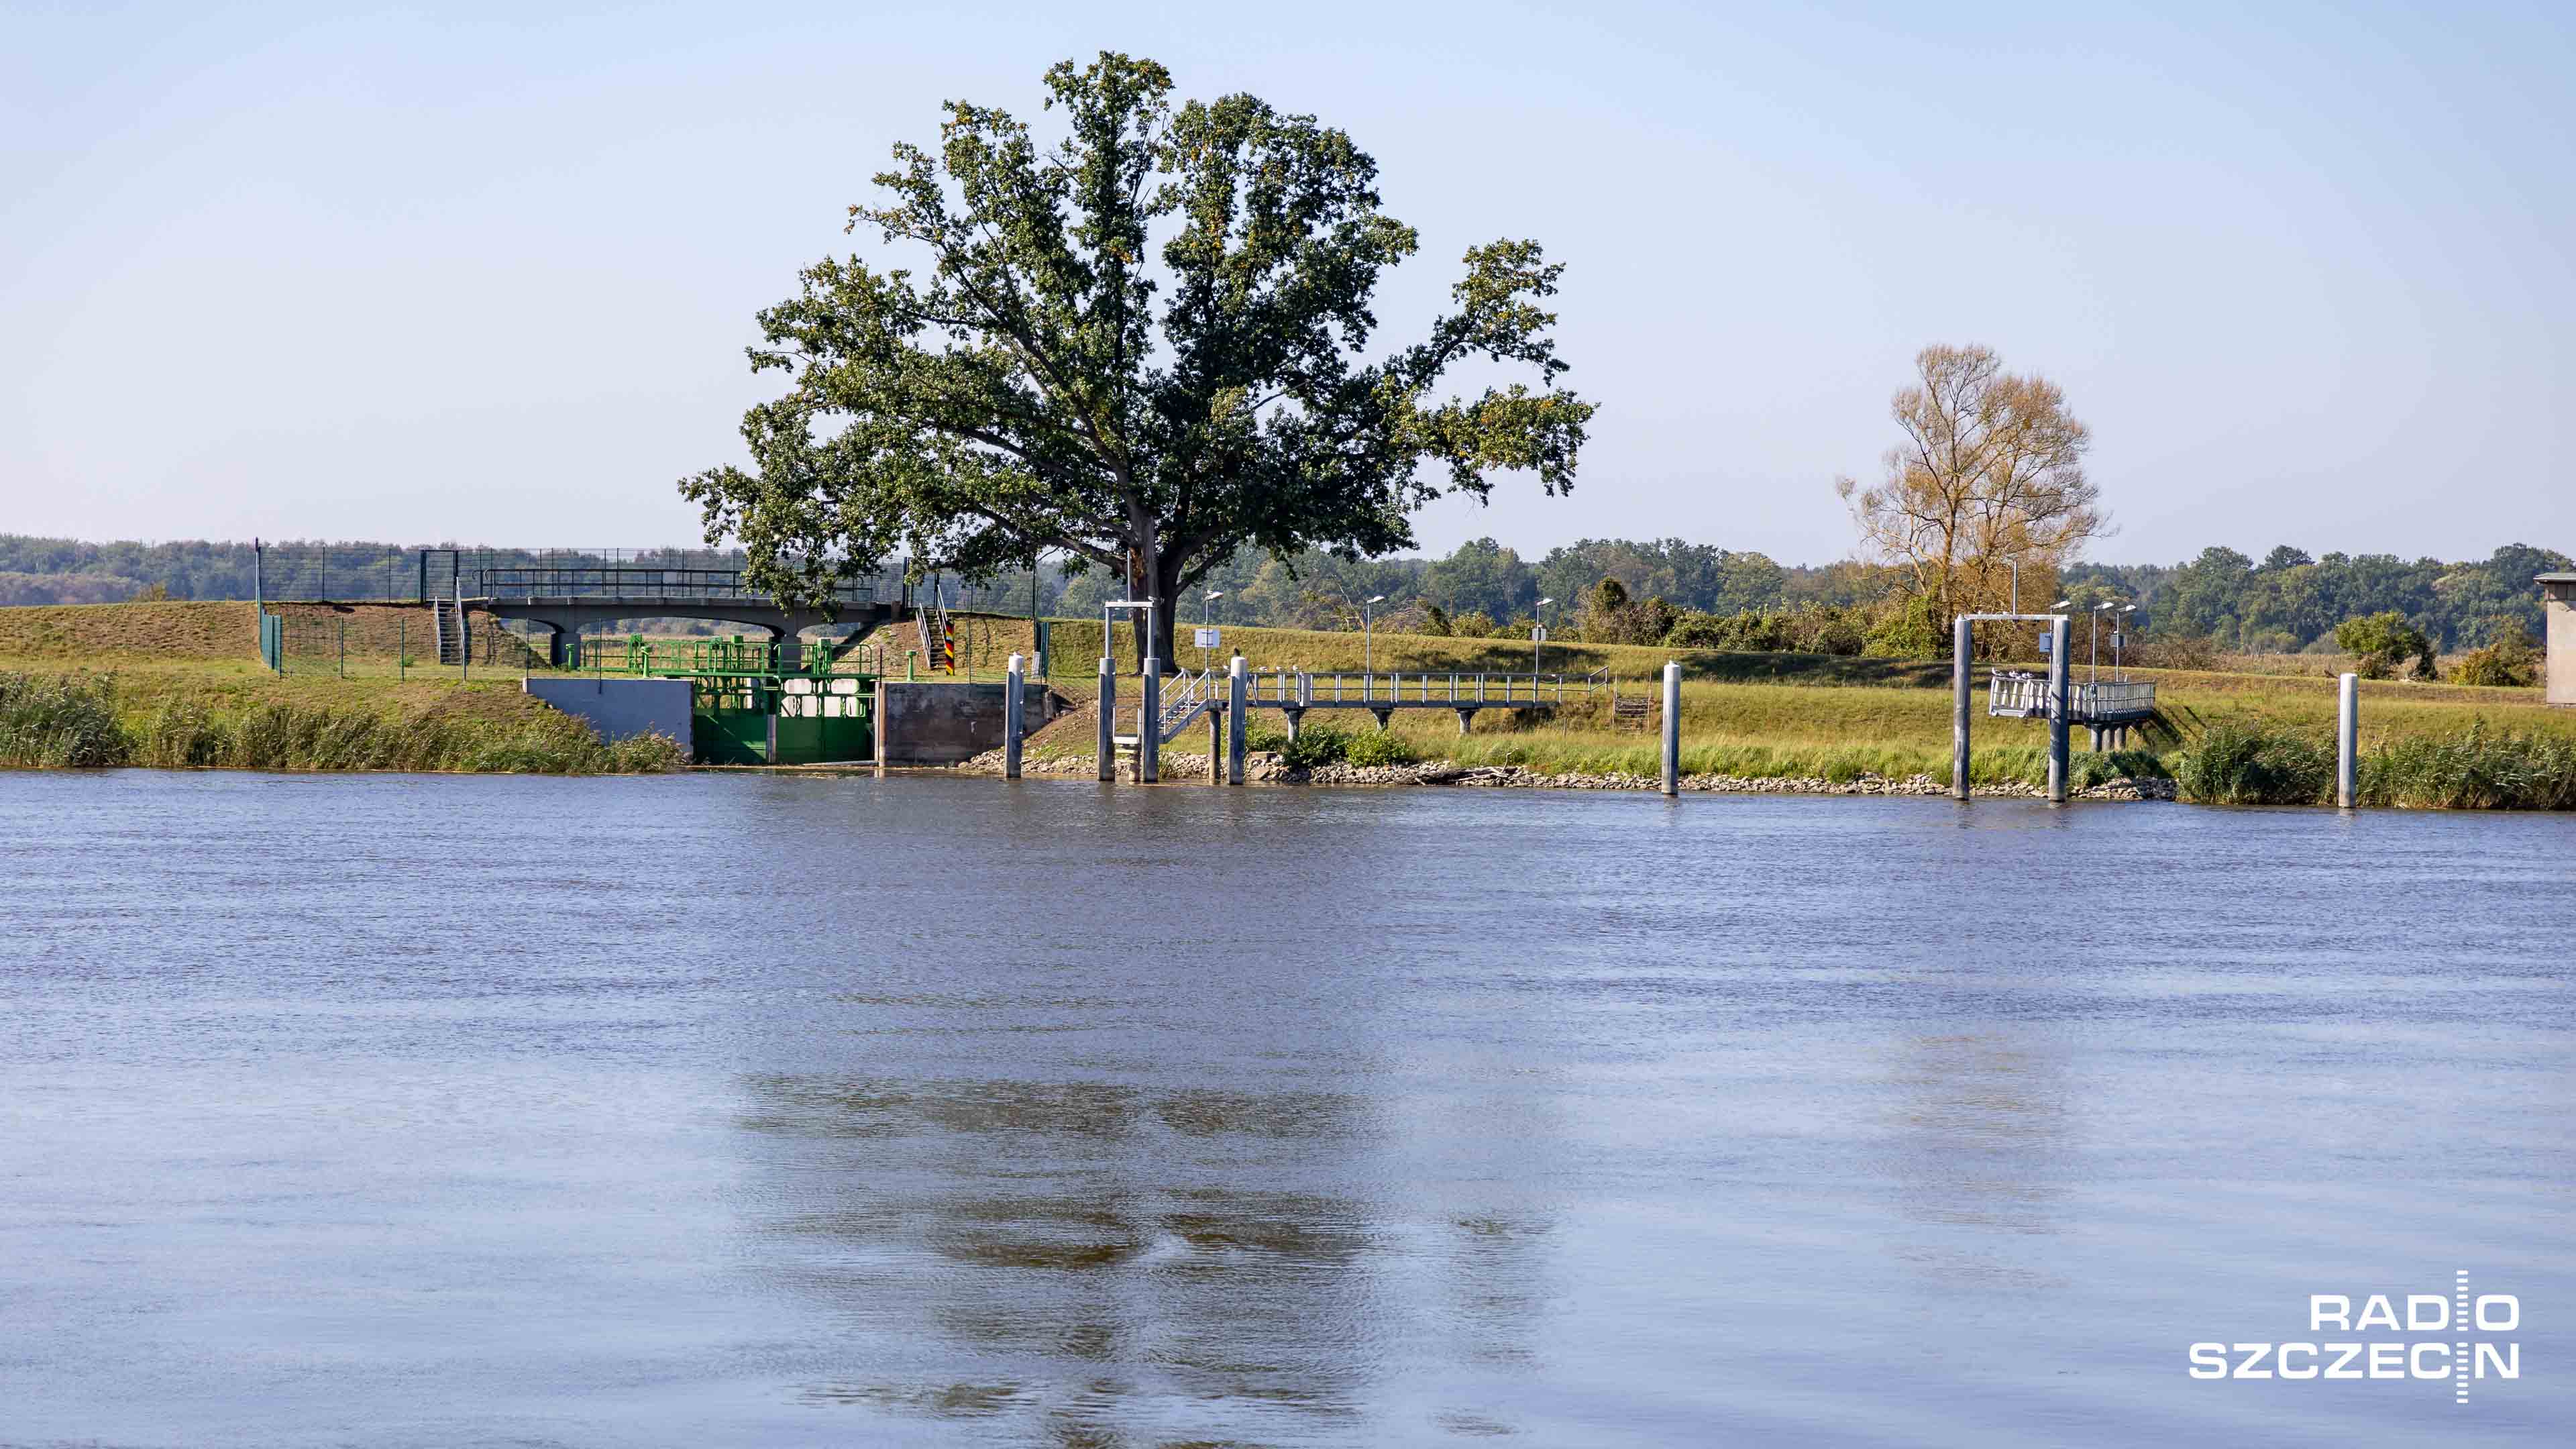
<point x="1990" y="473"/>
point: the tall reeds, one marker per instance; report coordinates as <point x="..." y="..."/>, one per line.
<point x="72" y="722"/>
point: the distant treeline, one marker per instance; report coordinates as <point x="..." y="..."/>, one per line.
<point x="2286" y="601"/>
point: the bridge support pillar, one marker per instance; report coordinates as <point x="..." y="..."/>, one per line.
<point x="1216" y="746"/>
<point x="1383" y="716"/>
<point x="1296" y="718"/>
<point x="1466" y="720"/>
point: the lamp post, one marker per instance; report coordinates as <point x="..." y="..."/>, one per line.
<point x="2119" y="633"/>
<point x="1368" y="632"/>
<point x="1538" y="636"/>
<point x="2015" y="566"/>
<point x="1210" y="597"/>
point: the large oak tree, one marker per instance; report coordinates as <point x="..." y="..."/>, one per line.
<point x="1143" y="344"/>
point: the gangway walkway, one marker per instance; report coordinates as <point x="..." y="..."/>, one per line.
<point x="564" y="598"/>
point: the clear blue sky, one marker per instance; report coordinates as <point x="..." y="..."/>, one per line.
<point x="485" y="273"/>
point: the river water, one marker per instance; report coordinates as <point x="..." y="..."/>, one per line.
<point x="705" y="1111"/>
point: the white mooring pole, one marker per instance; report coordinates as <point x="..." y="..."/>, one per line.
<point x="2348" y="742"/>
<point x="1237" y="704"/>
<point x="1672" y="727"/>
<point x="2057" y="721"/>
<point x="1108" y="716"/>
<point x="1012" y="716"/>
<point x="1149" y="723"/>
<point x="1961" y="631"/>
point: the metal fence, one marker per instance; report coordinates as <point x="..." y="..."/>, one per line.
<point x="409" y="644"/>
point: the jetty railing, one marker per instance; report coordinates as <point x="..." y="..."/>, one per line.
<point x="1313" y="689"/>
<point x="2026" y="695"/>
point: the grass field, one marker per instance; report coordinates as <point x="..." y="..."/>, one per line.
<point x="1762" y="715"/>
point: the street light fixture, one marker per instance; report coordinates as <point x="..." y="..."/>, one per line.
<point x="1210" y="597"/>
<point x="1538" y="636"/>
<point x="2119" y="634"/>
<point x="1368" y="631"/>
<point x="2093" y="639"/>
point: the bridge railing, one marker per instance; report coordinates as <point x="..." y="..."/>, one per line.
<point x="626" y="581"/>
<point x="1311" y="689"/>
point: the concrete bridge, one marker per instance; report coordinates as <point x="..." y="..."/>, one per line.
<point x="564" y="599"/>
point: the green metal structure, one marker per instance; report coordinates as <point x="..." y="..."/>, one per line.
<point x="753" y="702"/>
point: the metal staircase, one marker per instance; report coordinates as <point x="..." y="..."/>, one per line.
<point x="1186" y="696"/>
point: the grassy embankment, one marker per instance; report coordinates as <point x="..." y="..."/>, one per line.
<point x="1820" y="717"/>
<point x="180" y="684"/>
<point x="2252" y="738"/>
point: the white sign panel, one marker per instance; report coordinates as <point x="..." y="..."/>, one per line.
<point x="1207" y="638"/>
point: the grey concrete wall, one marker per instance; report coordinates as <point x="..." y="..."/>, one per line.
<point x="941" y="724"/>
<point x="2561" y="611"/>
<point x="618" y="708"/>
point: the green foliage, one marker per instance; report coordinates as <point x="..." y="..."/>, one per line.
<point x="2240" y="764"/>
<point x="2381" y="642"/>
<point x="1138" y="342"/>
<point x="56" y="723"/>
<point x="75" y="722"/>
<point x="2508" y="659"/>
<point x="1910" y="630"/>
<point x="2089" y="769"/>
<point x="2472" y="770"/>
<point x="1316" y="744"/>
<point x="1378" y="748"/>
<point x="1435" y="621"/>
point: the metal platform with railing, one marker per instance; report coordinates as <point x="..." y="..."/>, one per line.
<point x="2025" y="696"/>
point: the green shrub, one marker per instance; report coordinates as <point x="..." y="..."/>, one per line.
<point x="2508" y="659"/>
<point x="58" y="723"/>
<point x="2380" y="642"/>
<point x="2090" y="769"/>
<point x="2237" y="764"/>
<point x="1908" y="632"/>
<point x="1265" y="737"/>
<point x="1377" y="748"/>
<point x="1316" y="744"/>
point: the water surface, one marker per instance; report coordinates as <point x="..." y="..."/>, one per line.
<point x="699" y="1111"/>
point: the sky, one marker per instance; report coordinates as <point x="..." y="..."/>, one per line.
<point x="486" y="273"/>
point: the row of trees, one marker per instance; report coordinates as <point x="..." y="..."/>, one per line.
<point x="1716" y="597"/>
